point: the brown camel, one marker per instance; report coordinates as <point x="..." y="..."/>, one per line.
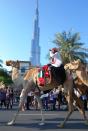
<point x="80" y="70"/>
<point x="29" y="82"/>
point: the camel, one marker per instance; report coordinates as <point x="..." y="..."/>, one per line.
<point x="81" y="76"/>
<point x="80" y="70"/>
<point x="29" y="82"/>
<point x="25" y="86"/>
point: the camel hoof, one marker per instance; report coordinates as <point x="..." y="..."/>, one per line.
<point x="61" y="125"/>
<point x="42" y="123"/>
<point x="10" y="123"/>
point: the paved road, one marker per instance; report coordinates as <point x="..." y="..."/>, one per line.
<point x="29" y="121"/>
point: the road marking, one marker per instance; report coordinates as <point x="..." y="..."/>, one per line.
<point x="36" y="114"/>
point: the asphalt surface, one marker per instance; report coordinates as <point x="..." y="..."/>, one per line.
<point x="29" y="121"/>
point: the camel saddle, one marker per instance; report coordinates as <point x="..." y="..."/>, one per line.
<point x="44" y="75"/>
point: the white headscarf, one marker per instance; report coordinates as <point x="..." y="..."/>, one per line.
<point x="55" y="61"/>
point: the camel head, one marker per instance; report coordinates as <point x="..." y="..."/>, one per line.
<point x="13" y="63"/>
<point x="73" y="65"/>
<point x="80" y="66"/>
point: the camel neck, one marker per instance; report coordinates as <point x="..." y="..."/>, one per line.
<point x="15" y="73"/>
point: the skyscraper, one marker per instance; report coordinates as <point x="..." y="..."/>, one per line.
<point x="35" y="48"/>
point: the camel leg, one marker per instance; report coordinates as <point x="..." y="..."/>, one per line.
<point x="14" y="119"/>
<point x="41" y="108"/>
<point x="68" y="90"/>
<point x="80" y="107"/>
<point x="66" y="119"/>
<point x="27" y="87"/>
<point x="22" y="99"/>
<point x="79" y="104"/>
<point x="21" y="103"/>
<point x="70" y="108"/>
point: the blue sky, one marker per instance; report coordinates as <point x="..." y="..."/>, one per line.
<point x="16" y="25"/>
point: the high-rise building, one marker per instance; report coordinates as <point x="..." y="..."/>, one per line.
<point x="35" y="48"/>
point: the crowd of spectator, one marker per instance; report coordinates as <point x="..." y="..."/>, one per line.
<point x="6" y="98"/>
<point x="52" y="100"/>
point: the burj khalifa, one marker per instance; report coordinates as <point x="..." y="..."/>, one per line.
<point x="35" y="47"/>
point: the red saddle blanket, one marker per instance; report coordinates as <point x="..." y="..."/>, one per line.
<point x="43" y="75"/>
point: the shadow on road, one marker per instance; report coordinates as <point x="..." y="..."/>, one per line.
<point x="49" y="125"/>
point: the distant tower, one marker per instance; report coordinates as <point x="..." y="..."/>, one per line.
<point x="35" y="48"/>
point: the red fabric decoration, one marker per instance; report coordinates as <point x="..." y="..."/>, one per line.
<point x="45" y="67"/>
<point x="47" y="74"/>
<point x="41" y="81"/>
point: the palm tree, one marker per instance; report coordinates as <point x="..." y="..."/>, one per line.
<point x="70" y="46"/>
<point x="4" y="76"/>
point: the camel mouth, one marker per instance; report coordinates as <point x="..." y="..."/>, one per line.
<point x="12" y="63"/>
<point x="8" y="63"/>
